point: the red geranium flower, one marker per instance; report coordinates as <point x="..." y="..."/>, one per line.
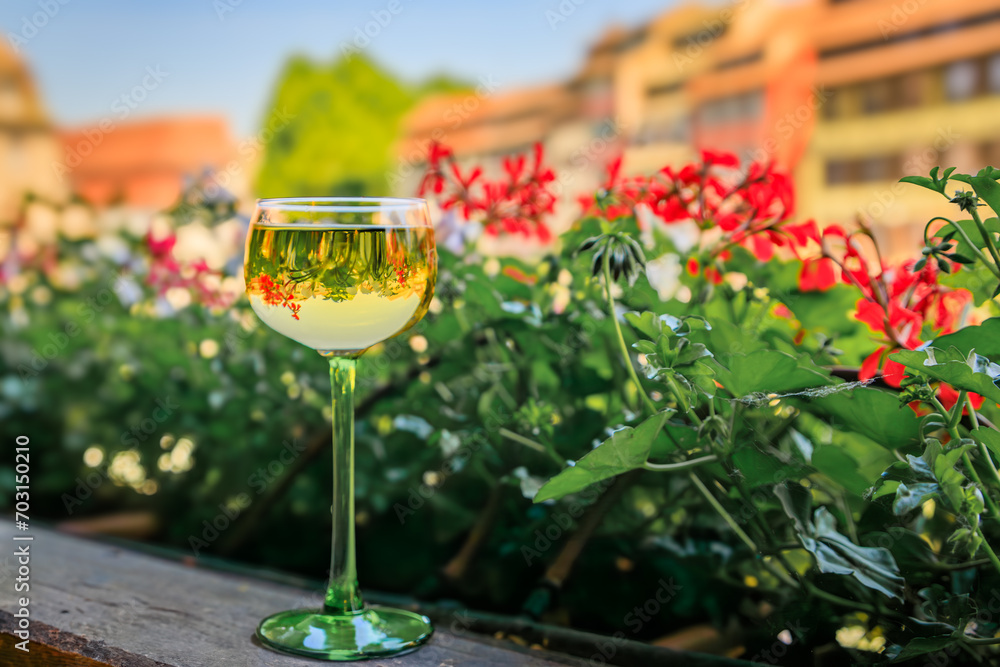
<point x="516" y="203"/>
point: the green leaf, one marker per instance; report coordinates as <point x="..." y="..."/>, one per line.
<point x="673" y="437"/>
<point x="645" y="347"/>
<point x="971" y="230"/>
<point x="909" y="498"/>
<point x="688" y="353"/>
<point x="827" y="312"/>
<point x="797" y="503"/>
<point x="874" y="413"/>
<point x="759" y="468"/>
<point x="971" y="372"/>
<point x="922" y="181"/>
<point x="650" y="324"/>
<point x="766" y="371"/>
<point x="924" y="645"/>
<point x="725" y="338"/>
<point x="625" y="450"/>
<point x="988" y="190"/>
<point x="983" y="338"/>
<point x="841" y="467"/>
<point x="873" y="567"/>
<point x="989" y="437"/>
<point x="911" y="551"/>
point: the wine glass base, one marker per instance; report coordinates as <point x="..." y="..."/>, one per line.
<point x="377" y="632"/>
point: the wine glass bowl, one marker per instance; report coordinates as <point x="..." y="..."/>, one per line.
<point x="340" y="275"/>
<point x="337" y="274"/>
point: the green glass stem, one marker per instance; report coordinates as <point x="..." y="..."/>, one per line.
<point x="345" y="628"/>
<point x="342" y="593"/>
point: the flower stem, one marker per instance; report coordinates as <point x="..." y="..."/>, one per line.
<point x="531" y="444"/>
<point x="726" y="516"/>
<point x="952" y="427"/>
<point x="982" y="447"/>
<point x="994" y="269"/>
<point x="994" y="510"/>
<point x="956" y="413"/>
<point x="683" y="465"/>
<point x="987" y="236"/>
<point x="682" y="399"/>
<point x="626" y="356"/>
<point x="989" y="550"/>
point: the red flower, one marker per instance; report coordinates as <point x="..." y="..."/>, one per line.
<point x="519" y="275"/>
<point x="892" y="371"/>
<point x="274" y="294"/>
<point x="782" y="311"/>
<point x="720" y="158"/>
<point x="166" y="272"/>
<point x="949" y="396"/>
<point x="803" y="233"/>
<point x="712" y="275"/>
<point x="817" y="274"/>
<point x="161" y="247"/>
<point x="517" y="203"/>
<point x="897" y="303"/>
<point x="434" y="179"/>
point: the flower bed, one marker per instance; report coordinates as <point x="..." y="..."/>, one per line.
<point x="692" y="388"/>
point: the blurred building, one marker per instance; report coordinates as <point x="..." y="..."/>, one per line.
<point x="848" y="94"/>
<point x="28" y="143"/>
<point x="110" y="176"/>
<point x="145" y="164"/>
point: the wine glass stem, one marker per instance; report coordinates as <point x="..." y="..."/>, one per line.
<point x="342" y="594"/>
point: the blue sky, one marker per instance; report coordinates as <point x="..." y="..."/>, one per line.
<point x="223" y="56"/>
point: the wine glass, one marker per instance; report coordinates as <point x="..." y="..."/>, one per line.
<point x="340" y="275"/>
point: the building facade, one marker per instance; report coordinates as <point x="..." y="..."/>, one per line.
<point x="28" y="143"/>
<point x="850" y="95"/>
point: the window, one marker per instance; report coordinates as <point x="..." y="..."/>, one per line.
<point x="993" y="73"/>
<point x="839" y="172"/>
<point x="664" y="89"/>
<point x="879" y="168"/>
<point x="712" y="113"/>
<point x="747" y="59"/>
<point x="877" y="96"/>
<point x="832" y="107"/>
<point x="702" y="38"/>
<point x="752" y="104"/>
<point x="961" y="80"/>
<point x="862" y="170"/>
<point x="911" y="88"/>
<point x="732" y="109"/>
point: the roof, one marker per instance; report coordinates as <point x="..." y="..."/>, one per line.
<point x="144" y="162"/>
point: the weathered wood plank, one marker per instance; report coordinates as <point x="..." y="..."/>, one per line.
<point x="44" y="656"/>
<point x="122" y="608"/>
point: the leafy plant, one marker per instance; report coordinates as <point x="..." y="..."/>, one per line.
<point x="688" y="386"/>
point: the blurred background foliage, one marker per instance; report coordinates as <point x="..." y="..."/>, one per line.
<point x="336" y="126"/>
<point x="179" y="413"/>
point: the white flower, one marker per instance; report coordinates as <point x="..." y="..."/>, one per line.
<point x="664" y="274"/>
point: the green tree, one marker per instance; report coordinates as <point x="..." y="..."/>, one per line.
<point x="343" y="120"/>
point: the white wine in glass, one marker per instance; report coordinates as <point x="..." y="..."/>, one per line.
<point x="340" y="275"/>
